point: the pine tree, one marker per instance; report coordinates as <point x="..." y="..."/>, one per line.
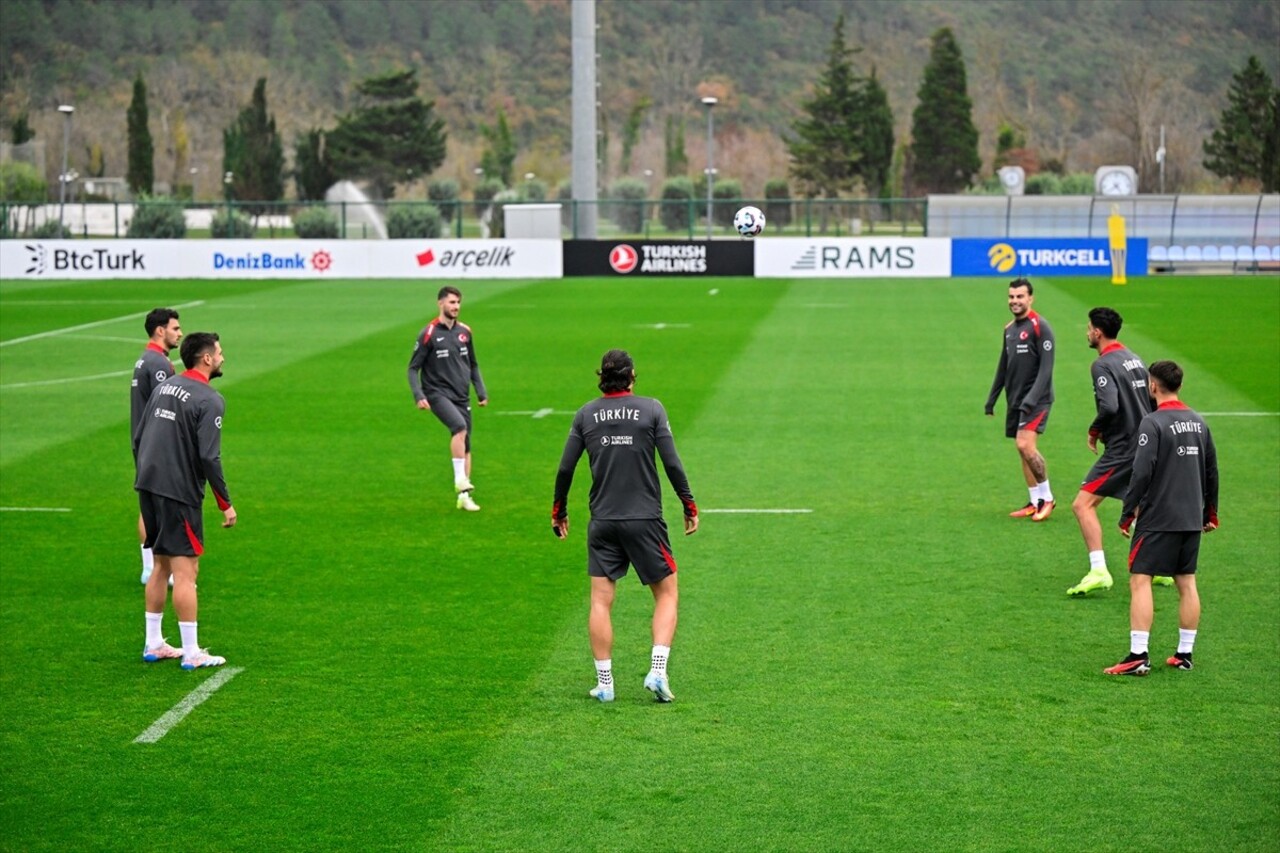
<point x="311" y="172"/>
<point x="1244" y="145"/>
<point x="825" y="153"/>
<point x="254" y="154"/>
<point x="499" y="159"/>
<point x="876" y="119"/>
<point x="141" y="174"/>
<point x="944" y="144"/>
<point x="394" y="137"/>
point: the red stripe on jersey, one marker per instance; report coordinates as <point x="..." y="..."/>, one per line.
<point x="619" y="394"/>
<point x="1133" y="552"/>
<point x="1035" y="321"/>
<point x="1173" y="404"/>
<point x="191" y="536"/>
<point x="670" y="560"/>
<point x="155" y="347"/>
<point x="1093" y="485"/>
<point x="1111" y="347"/>
<point x="1036" y="422"/>
<point x="223" y="503"/>
<point x="196" y="375"/>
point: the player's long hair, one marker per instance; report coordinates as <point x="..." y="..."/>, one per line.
<point x="617" y="371"/>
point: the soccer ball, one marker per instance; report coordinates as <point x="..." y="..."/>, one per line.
<point x="749" y="221"/>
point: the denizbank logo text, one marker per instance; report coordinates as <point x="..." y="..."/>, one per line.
<point x="1044" y="257"/>
<point x="273" y="261"/>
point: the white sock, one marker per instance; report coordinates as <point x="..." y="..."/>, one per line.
<point x="459" y="470"/>
<point x="1046" y="493"/>
<point x="659" y="663"/>
<point x="190" y="643"/>
<point x="604" y="672"/>
<point x="148" y="561"/>
<point x="1098" y="560"/>
<point x="1186" y="640"/>
<point x="154" y="637"/>
<point x="1138" y="641"/>
<point x="1033" y="494"/>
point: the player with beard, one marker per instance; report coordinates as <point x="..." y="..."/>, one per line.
<point x="178" y="445"/>
<point x="1025" y="374"/>
<point x="152" y="367"/>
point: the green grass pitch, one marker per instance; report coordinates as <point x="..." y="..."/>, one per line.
<point x="898" y="669"/>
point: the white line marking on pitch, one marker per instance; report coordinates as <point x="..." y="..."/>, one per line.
<point x="1241" y="414"/>
<point x="65" y="381"/>
<point x="175" y="715"/>
<point x="538" y="413"/>
<point x="759" y="511"/>
<point x="104" y="338"/>
<point x="35" y="509"/>
<point x="661" y="326"/>
<point x="93" y="325"/>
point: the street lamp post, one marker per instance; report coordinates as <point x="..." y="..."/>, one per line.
<point x="709" y="102"/>
<point x="66" y="110"/>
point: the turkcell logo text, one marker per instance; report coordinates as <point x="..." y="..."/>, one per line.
<point x="1044" y="257"/>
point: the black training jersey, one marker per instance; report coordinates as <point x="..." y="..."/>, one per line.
<point x="1174" y="486"/>
<point x="1025" y="371"/>
<point x="620" y="433"/>
<point x="1122" y="400"/>
<point x="178" y="443"/>
<point x="444" y="364"/>
<point x="151" y="368"/>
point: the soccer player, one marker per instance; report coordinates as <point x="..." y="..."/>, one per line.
<point x="441" y="372"/>
<point x="178" y="445"/>
<point x="1122" y="400"/>
<point x="620" y="433"/>
<point x="152" y="368"/>
<point x="1173" y="495"/>
<point x="1025" y="373"/>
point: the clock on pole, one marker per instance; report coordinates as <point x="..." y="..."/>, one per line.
<point x="1115" y="180"/>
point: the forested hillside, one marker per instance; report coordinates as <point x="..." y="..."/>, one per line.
<point x="1087" y="82"/>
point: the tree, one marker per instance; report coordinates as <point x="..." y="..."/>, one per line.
<point x="499" y="158"/>
<point x="631" y="131"/>
<point x="877" y="137"/>
<point x="20" y="130"/>
<point x="141" y="174"/>
<point x="1243" y="147"/>
<point x="825" y="152"/>
<point x="944" y="145"/>
<point x="393" y="137"/>
<point x="675" y="160"/>
<point x="253" y="154"/>
<point x="311" y="172"/>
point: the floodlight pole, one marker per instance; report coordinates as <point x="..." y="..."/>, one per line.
<point x="709" y="102"/>
<point x="66" y="110"/>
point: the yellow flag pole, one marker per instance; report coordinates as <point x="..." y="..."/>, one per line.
<point x="1119" y="245"/>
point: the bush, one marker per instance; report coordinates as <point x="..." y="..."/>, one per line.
<point x="485" y="192"/>
<point x="20" y="183"/>
<point x="777" y="213"/>
<point x="1044" y="184"/>
<point x="1076" y="184"/>
<point x="414" y="221"/>
<point x="497" y="220"/>
<point x="51" y="229"/>
<point x="157" y="220"/>
<point x="629" y="208"/>
<point x="315" y="223"/>
<point x="533" y="191"/>
<point x="444" y="195"/>
<point x="231" y="225"/>
<point x="674" y="213"/>
<point x="728" y="196"/>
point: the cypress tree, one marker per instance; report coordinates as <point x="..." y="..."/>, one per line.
<point x="944" y="144"/>
<point x="141" y="174"/>
<point x="825" y="153"/>
<point x="253" y="153"/>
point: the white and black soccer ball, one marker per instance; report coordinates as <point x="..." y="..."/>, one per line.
<point x="749" y="221"/>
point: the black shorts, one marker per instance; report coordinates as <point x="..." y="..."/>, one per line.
<point x="643" y="543"/>
<point x="1016" y="420"/>
<point x="1108" y="478"/>
<point x="174" y="529"/>
<point x="454" y="415"/>
<point x="1164" y="552"/>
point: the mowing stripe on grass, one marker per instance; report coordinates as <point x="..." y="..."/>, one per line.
<point x="35" y="509"/>
<point x="175" y="715"/>
<point x="758" y="511"/>
<point x="64" y="381"/>
<point x="53" y="332"/>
